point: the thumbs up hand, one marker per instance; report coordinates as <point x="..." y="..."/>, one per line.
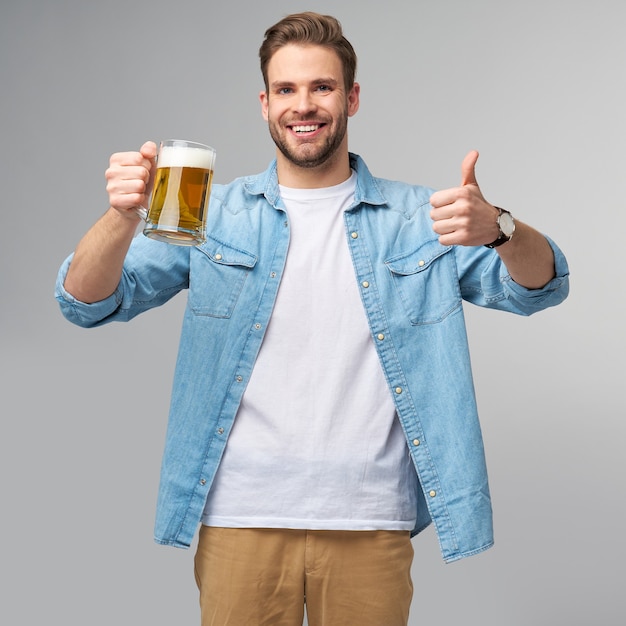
<point x="461" y="215"/>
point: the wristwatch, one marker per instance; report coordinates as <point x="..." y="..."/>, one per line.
<point x="506" y="224"/>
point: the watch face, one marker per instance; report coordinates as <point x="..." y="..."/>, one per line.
<point x="507" y="224"/>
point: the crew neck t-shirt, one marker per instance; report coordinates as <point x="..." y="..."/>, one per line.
<point x="316" y="443"/>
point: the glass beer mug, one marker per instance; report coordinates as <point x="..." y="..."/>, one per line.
<point x="180" y="195"/>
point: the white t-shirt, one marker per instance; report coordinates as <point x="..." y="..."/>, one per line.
<point x="316" y="443"/>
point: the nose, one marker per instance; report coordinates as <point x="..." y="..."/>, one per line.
<point x="304" y="102"/>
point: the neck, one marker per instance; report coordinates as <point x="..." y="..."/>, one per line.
<point x="333" y="172"/>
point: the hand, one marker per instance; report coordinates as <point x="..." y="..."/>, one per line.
<point x="130" y="176"/>
<point x="461" y="215"/>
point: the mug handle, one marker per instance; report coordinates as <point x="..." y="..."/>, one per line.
<point x="142" y="212"/>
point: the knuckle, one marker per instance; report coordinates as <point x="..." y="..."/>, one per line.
<point x="464" y="209"/>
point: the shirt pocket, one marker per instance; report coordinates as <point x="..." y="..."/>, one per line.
<point x="426" y="282"/>
<point x="217" y="275"/>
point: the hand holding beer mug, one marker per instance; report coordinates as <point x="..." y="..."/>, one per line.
<point x="180" y="195"/>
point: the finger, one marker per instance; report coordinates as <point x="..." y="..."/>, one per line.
<point x="444" y="226"/>
<point x="121" y="190"/>
<point x="443" y="197"/>
<point x="127" y="172"/>
<point x="468" y="169"/>
<point x="445" y="212"/>
<point x="127" y="185"/>
<point x="145" y="156"/>
<point x="149" y="150"/>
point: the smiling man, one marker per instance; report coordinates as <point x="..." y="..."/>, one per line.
<point x="307" y="103"/>
<point x="323" y="410"/>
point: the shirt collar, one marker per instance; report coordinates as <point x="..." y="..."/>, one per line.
<point x="366" y="192"/>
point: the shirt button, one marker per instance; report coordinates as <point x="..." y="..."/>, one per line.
<point x="416" y="442"/>
<point x="422" y="263"/>
<point x="398" y="390"/>
<point x="354" y="235"/>
<point x="220" y="431"/>
<point x="257" y="326"/>
<point x="432" y="493"/>
<point x="365" y="284"/>
<point x="239" y="379"/>
<point x="202" y="482"/>
<point x="273" y="275"/>
<point x="380" y="336"/>
<point x="218" y="257"/>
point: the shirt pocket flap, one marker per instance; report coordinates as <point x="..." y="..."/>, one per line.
<point x="217" y="276"/>
<point x="426" y="282"/>
<point x="224" y="254"/>
<point x="417" y="260"/>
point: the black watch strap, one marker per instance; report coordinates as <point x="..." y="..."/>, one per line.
<point x="498" y="242"/>
<point x="502" y="238"/>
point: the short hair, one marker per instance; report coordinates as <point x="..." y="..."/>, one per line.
<point x="309" y="28"/>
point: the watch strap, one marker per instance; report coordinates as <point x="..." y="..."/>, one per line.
<point x="502" y="238"/>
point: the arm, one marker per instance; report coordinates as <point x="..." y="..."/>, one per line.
<point x="462" y="216"/>
<point x="96" y="268"/>
<point x="528" y="257"/>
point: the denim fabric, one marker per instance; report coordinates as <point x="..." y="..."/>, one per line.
<point x="412" y="289"/>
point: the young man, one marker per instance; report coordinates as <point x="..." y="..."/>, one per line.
<point x="323" y="408"/>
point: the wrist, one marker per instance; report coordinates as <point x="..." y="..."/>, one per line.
<point x="124" y="217"/>
<point x="506" y="227"/>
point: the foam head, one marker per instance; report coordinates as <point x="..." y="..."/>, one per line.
<point x="181" y="155"/>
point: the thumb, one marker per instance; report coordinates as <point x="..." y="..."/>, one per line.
<point x="149" y="150"/>
<point x="468" y="169"/>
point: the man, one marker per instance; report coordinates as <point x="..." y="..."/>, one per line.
<point x="323" y="408"/>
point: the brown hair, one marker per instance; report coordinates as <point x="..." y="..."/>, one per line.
<point x="312" y="29"/>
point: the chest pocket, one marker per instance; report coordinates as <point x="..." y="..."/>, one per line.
<point x="217" y="274"/>
<point x="426" y="282"/>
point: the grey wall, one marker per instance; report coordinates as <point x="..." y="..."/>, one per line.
<point x="536" y="86"/>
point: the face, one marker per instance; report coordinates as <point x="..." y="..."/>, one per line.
<point x="306" y="105"/>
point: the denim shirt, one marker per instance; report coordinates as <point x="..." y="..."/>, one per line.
<point x="412" y="290"/>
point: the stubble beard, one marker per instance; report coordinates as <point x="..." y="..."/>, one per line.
<point x="309" y="155"/>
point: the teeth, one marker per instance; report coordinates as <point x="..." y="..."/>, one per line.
<point x="306" y="129"/>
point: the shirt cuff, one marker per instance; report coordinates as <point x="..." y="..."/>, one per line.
<point x="79" y="312"/>
<point x="560" y="280"/>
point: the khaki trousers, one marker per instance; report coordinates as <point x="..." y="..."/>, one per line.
<point x="261" y="577"/>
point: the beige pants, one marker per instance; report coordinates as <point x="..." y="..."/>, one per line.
<point x="259" y="577"/>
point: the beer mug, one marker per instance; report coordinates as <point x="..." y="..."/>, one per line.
<point x="180" y="195"/>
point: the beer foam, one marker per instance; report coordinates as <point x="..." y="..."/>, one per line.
<point x="185" y="156"/>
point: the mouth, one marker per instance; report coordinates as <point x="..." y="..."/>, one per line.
<point x="305" y="129"/>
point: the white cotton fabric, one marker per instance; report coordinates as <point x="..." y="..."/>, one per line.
<point x="316" y="443"/>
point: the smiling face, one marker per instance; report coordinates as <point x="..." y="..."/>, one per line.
<point x="307" y="110"/>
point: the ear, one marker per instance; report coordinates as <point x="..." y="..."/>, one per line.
<point x="354" y="99"/>
<point x="264" y="105"/>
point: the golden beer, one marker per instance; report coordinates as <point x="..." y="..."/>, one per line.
<point x="180" y="196"/>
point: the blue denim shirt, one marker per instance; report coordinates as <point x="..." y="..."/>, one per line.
<point x="412" y="290"/>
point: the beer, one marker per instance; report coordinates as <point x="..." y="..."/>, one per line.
<point x="180" y="196"/>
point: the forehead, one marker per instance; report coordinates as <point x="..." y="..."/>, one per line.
<point x="302" y="63"/>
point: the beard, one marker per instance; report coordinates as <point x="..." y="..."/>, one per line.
<point x="309" y="154"/>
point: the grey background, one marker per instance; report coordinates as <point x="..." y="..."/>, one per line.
<point x="536" y="86"/>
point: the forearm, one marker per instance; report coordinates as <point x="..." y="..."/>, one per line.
<point x="96" y="267"/>
<point x="528" y="257"/>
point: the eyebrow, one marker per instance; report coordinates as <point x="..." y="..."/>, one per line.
<point x="280" y="84"/>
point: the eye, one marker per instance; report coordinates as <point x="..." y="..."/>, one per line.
<point x="324" y="88"/>
<point x="284" y="91"/>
